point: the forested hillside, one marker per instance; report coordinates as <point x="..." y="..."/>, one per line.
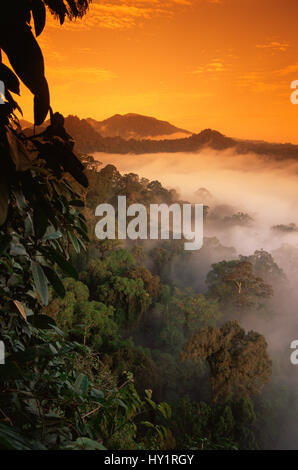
<point x="121" y="345"/>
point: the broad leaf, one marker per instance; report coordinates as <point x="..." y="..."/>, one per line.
<point x="39" y="16"/>
<point x="40" y="282"/>
<point x="55" y="257"/>
<point x="55" y="281"/>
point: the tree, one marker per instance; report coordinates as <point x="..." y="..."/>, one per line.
<point x="238" y="361"/>
<point x="193" y="311"/>
<point x="234" y="283"/>
<point x="265" y="267"/>
<point x="113" y="281"/>
<point x="87" y="321"/>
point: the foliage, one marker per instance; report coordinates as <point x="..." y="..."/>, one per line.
<point x="238" y="361"/>
<point x="226" y="425"/>
<point x="92" y="359"/>
<point x="234" y="283"/>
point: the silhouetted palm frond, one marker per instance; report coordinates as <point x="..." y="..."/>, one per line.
<point x="67" y="8"/>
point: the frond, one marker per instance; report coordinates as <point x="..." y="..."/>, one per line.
<point x="67" y="8"/>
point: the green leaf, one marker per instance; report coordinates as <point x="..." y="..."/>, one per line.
<point x="147" y="424"/>
<point x="16" y="249"/>
<point x="40" y="282"/>
<point x="29" y="229"/>
<point x="59" y="332"/>
<point x="55" y="257"/>
<point x="81" y="384"/>
<point x="165" y="410"/>
<point x="55" y="281"/>
<point x="74" y="242"/>
<point x="97" y="394"/>
<point x="11" y="440"/>
<point x="84" y="443"/>
<point x="52" y="234"/>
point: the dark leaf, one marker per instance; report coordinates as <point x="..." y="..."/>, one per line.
<point x="74" y="242"/>
<point x="39" y="16"/>
<point x="18" y="151"/>
<point x="77" y="203"/>
<point x="43" y="322"/>
<point x="40" y="221"/>
<point x="66" y="267"/>
<point x="4" y="243"/>
<point x="41" y="104"/>
<point x="81" y="384"/>
<point x="40" y="282"/>
<point x="55" y="281"/>
<point x="3" y="199"/>
<point x="52" y="235"/>
<point x="27" y="61"/>
<point x="10" y="80"/>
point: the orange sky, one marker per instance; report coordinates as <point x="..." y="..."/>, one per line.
<point x="223" y="64"/>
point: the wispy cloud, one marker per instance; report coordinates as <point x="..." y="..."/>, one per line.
<point x="124" y="14"/>
<point x="288" y="70"/>
<point x="86" y="75"/>
<point x="214" y="66"/>
<point x="274" y="46"/>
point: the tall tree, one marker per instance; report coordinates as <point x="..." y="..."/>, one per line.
<point x="234" y="283"/>
<point x="238" y="361"/>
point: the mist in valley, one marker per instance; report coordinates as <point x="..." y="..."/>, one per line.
<point x="252" y="205"/>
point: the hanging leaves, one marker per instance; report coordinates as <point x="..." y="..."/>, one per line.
<point x="10" y="80"/>
<point x="27" y="61"/>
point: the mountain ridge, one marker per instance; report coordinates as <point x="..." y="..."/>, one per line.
<point x="135" y="126"/>
<point x="88" y="140"/>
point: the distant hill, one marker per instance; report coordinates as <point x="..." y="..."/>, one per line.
<point x="136" y="126"/>
<point x="88" y="140"/>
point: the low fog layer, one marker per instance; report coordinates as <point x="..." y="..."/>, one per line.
<point x="252" y="204"/>
<point x="263" y="189"/>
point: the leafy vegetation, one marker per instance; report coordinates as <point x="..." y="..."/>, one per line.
<point x="95" y="330"/>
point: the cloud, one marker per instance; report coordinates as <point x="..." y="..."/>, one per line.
<point x="86" y="75"/>
<point x="260" y="81"/>
<point x="216" y="65"/>
<point x="275" y="46"/>
<point x="288" y="70"/>
<point x="123" y="14"/>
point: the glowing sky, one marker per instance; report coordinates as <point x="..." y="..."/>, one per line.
<point x="223" y="64"/>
